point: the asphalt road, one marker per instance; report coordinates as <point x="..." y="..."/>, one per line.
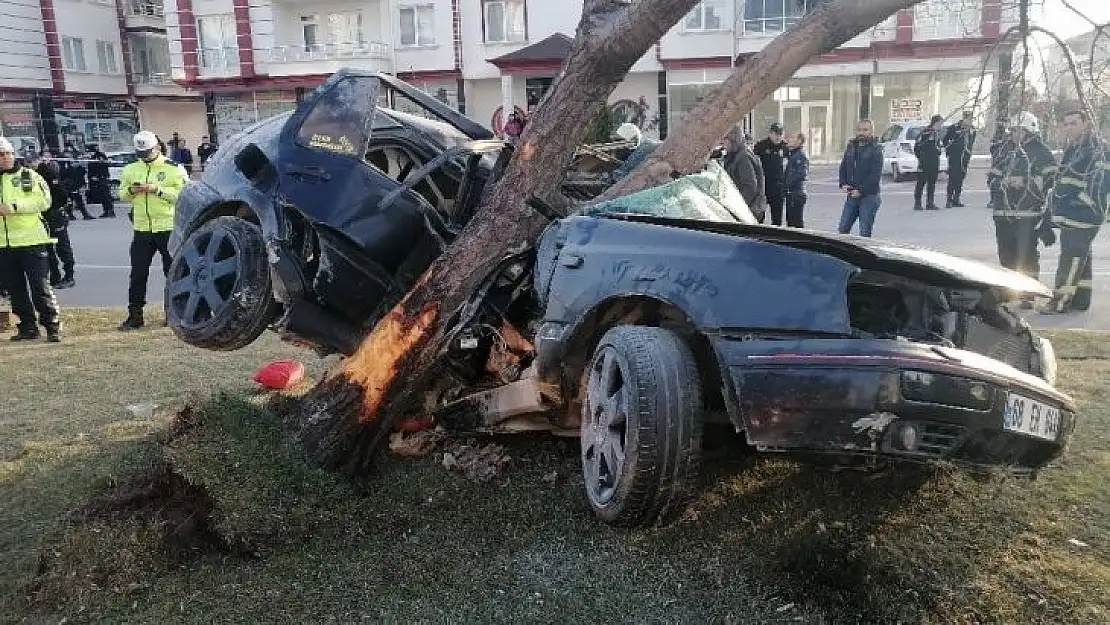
<point x="101" y="246"/>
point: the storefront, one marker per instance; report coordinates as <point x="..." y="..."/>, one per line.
<point x="108" y="124"/>
<point x="826" y="109"/>
<point x="20" y="125"/>
<point x="234" y="112"/>
<point x="901" y="97"/>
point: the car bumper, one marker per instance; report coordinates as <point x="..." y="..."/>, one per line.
<point x="889" y="399"/>
<point x="909" y="164"/>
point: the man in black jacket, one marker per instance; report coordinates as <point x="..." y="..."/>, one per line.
<point x="796" y="175"/>
<point x="861" y="172"/>
<point x="927" y="149"/>
<point x="746" y="172"/>
<point x="771" y="152"/>
<point x="57" y="221"/>
<point x="73" y="177"/>
<point x="958" y="142"/>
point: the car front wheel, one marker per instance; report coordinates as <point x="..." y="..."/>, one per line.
<point x="642" y="416"/>
<point x="218" y="292"/>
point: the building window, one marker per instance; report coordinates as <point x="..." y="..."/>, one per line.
<point x="73" y="54"/>
<point x="310" y="32"/>
<point x="788" y="94"/>
<point x="773" y="16"/>
<point x="416" y="26"/>
<point x="219" y="50"/>
<point x="150" y="59"/>
<point x="934" y="19"/>
<point x="504" y="21"/>
<point x="345" y="29"/>
<point x="708" y="15"/>
<point x="106" y="57"/>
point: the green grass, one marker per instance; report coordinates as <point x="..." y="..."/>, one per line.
<point x="278" y="540"/>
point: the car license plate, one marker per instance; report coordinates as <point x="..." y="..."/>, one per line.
<point x="1031" y="417"/>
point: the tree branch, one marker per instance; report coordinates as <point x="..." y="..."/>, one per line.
<point x="824" y="29"/>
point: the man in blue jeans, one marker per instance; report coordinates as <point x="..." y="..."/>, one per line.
<point x="861" y="169"/>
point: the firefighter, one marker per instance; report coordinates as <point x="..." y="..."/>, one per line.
<point x="151" y="185"/>
<point x="1079" y="204"/>
<point x="927" y="149"/>
<point x="24" y="245"/>
<point x="1020" y="181"/>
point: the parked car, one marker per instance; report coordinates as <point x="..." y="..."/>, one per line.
<point x="898" y="158"/>
<point x="633" y="323"/>
<point x="117" y="161"/>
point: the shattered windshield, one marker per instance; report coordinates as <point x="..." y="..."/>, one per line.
<point x="709" y="195"/>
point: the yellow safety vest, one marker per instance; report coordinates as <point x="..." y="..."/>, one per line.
<point x="153" y="212"/>
<point x="26" y="192"/>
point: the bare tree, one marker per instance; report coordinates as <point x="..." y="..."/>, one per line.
<point x="347" y="416"/>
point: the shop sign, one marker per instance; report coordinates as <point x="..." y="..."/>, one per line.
<point x="906" y="110"/>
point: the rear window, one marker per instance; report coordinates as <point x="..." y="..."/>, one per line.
<point x="337" y="122"/>
<point x="914" y="133"/>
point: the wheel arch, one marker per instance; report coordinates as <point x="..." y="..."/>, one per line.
<point x="642" y="310"/>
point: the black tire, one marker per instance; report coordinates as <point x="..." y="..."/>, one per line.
<point x="661" y="436"/>
<point x="896" y="173"/>
<point x="218" y="293"/>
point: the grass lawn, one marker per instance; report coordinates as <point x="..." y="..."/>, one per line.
<point x="114" y="514"/>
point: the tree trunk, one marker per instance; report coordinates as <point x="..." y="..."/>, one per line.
<point x="824" y="29"/>
<point x="345" y="418"/>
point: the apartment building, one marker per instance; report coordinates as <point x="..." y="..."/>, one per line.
<point x="254" y="58"/>
<point x="80" y="72"/>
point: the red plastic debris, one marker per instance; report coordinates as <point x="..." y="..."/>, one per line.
<point x="279" y="374"/>
<point x="409" y="425"/>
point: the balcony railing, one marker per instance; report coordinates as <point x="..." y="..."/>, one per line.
<point x="157" y="79"/>
<point x="766" y="26"/>
<point x="219" y="62"/>
<point x="301" y="53"/>
<point x="141" y="8"/>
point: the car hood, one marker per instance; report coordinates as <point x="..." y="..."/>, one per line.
<point x="927" y="265"/>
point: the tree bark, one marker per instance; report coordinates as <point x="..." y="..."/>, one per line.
<point x="824" y="29"/>
<point x="349" y="413"/>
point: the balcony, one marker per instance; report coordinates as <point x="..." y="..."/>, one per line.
<point x="158" y="84"/>
<point x="143" y="15"/>
<point x="301" y="60"/>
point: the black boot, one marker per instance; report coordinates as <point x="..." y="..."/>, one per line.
<point x="134" y="320"/>
<point x="66" y="282"/>
<point x="917" y="204"/>
<point x="957" y="203"/>
<point x="26" y="334"/>
<point x="54" y="334"/>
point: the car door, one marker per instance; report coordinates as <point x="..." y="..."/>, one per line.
<point x="323" y="172"/>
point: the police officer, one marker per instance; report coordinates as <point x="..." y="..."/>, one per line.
<point x="771" y="151"/>
<point x="100" y="184"/>
<point x="151" y="184"/>
<point x="57" y="221"/>
<point x="1021" y="180"/>
<point x="958" y="143"/>
<point x="1079" y="205"/>
<point x="23" y="248"/>
<point x="927" y="149"/>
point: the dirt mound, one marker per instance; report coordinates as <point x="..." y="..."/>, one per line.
<point x="162" y="499"/>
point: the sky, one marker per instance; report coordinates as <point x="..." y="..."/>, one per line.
<point x="1065" y="22"/>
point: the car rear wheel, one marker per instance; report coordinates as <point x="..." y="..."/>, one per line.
<point x="641" y="429"/>
<point x="218" y="293"/>
<point x="896" y="173"/>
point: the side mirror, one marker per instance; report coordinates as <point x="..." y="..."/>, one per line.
<point x="256" y="166"/>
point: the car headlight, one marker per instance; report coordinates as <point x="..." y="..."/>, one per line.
<point x="1045" y="354"/>
<point x="946" y="390"/>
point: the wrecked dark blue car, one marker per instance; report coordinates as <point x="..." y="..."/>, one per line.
<point x="634" y="324"/>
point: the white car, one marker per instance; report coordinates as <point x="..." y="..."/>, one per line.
<point x="898" y="157"/>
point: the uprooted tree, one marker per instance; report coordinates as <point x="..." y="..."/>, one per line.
<point x="351" y="411"/>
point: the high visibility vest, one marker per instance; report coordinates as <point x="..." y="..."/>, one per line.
<point x="152" y="212"/>
<point x="25" y="191"/>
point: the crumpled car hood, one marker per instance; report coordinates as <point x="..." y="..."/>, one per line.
<point x="926" y="265"/>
